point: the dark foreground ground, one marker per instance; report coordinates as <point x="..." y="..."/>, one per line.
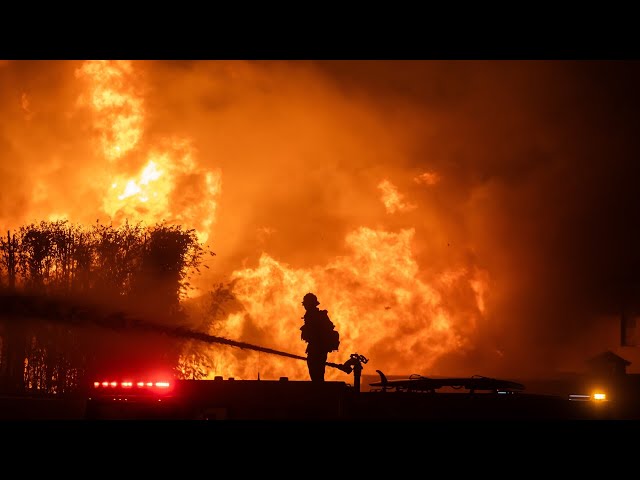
<point x="33" y="408"/>
<point x="302" y="400"/>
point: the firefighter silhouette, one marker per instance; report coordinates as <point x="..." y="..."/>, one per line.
<point x="320" y="334"/>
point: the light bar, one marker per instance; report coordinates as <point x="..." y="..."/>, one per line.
<point x="129" y="384"/>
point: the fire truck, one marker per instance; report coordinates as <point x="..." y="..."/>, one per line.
<point x="151" y="394"/>
<point x="413" y="398"/>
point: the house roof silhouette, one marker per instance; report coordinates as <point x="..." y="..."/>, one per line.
<point x="608" y="358"/>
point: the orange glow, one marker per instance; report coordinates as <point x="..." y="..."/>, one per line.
<point x="119" y="110"/>
<point x="427" y="178"/>
<point x="599" y="396"/>
<point x="147" y="196"/>
<point x="454" y="217"/>
<point x="164" y="182"/>
<point x="480" y="285"/>
<point x="392" y="199"/>
<point x="25" y="104"/>
<point x="385" y="294"/>
<point x="300" y="210"/>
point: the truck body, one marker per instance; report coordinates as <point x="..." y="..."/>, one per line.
<point x="285" y="400"/>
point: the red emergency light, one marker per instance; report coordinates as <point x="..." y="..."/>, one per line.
<point x="131" y="384"/>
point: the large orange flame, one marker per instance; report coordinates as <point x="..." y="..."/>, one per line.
<point x="119" y="110"/>
<point x="376" y="297"/>
<point x="389" y="306"/>
<point x="168" y="184"/>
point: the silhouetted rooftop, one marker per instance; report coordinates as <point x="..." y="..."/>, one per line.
<point x="607" y="358"/>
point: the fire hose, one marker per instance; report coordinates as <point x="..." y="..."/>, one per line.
<point x="59" y="310"/>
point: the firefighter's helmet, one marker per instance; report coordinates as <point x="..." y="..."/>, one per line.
<point x="310" y="299"/>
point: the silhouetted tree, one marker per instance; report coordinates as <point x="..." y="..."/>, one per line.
<point x="35" y="255"/>
<point x="168" y="254"/>
<point x="131" y="269"/>
<point x="11" y="351"/>
<point x="8" y="249"/>
<point x="117" y="259"/>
